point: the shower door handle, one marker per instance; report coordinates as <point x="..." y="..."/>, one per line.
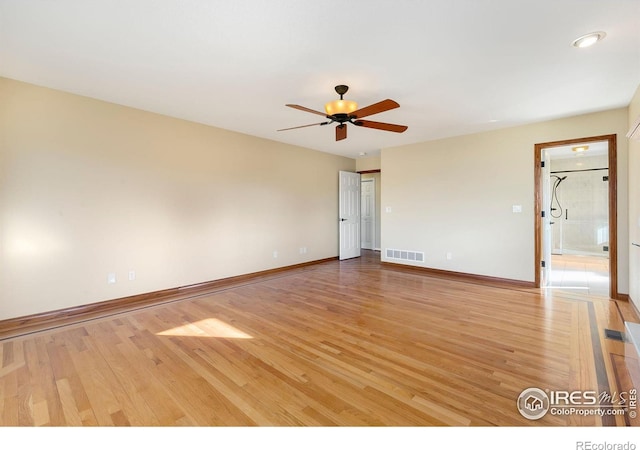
<point x="566" y="214"/>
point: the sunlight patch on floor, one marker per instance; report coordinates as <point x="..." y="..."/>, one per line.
<point x="210" y="327"/>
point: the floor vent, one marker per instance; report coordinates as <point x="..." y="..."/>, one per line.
<point x="404" y="255"/>
<point x="614" y="334"/>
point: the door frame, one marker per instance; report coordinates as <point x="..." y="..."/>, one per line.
<point x="613" y="205"/>
<point x="545" y="247"/>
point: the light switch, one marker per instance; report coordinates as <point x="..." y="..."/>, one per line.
<point x="517" y="208"/>
<point x="387" y="209"/>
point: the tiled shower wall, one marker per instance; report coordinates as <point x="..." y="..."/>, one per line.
<point x="583" y="225"/>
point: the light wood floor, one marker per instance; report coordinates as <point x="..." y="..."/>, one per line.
<point x="340" y="343"/>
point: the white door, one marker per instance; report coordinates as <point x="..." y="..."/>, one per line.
<point x="368" y="214"/>
<point x="349" y="205"/>
<point x="547" y="219"/>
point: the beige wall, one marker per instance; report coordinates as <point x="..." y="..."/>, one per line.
<point x="89" y="188"/>
<point x="634" y="204"/>
<point x="456" y="196"/>
<point x="368" y="163"/>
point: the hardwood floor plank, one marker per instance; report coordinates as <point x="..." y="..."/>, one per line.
<point x="43" y="377"/>
<point x="7" y="354"/>
<point x="71" y="413"/>
<point x="24" y="398"/>
<point x="10" y="396"/>
<point x="41" y="414"/>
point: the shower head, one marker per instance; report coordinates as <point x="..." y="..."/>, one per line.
<point x="559" y="180"/>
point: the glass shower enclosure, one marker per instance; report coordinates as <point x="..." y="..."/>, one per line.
<point x="580" y="206"/>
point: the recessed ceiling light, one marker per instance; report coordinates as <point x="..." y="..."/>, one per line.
<point x="589" y="39"/>
<point x="580" y="149"/>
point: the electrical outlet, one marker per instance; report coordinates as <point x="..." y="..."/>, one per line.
<point x="449" y="255"/>
<point x="111" y="278"/>
<point x="303" y="250"/>
<point x="132" y="275"/>
<point x="275" y="253"/>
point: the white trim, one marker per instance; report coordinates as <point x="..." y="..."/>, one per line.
<point x="634" y="131"/>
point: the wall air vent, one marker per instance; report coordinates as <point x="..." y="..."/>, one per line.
<point x="404" y="255"/>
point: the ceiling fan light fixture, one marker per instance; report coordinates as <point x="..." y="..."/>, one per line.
<point x="345" y="112"/>
<point x="589" y="39"/>
<point x="340" y="107"/>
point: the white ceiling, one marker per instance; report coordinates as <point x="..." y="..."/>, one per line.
<point x="455" y="67"/>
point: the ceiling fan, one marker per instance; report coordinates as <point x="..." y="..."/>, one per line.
<point x="346" y="111"/>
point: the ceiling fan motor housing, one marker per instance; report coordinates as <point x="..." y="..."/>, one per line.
<point x="340" y="117"/>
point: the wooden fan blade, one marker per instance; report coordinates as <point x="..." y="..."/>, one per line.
<point x="381" y="126"/>
<point x="302" y="108"/>
<point x="341" y="132"/>
<point x="384" y="105"/>
<point x="304" y="126"/>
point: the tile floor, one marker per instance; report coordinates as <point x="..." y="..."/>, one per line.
<point x="588" y="274"/>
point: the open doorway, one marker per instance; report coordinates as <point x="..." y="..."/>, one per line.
<point x="370" y="206"/>
<point x="359" y="213"/>
<point x="578" y="217"/>
<point x="576" y="246"/>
